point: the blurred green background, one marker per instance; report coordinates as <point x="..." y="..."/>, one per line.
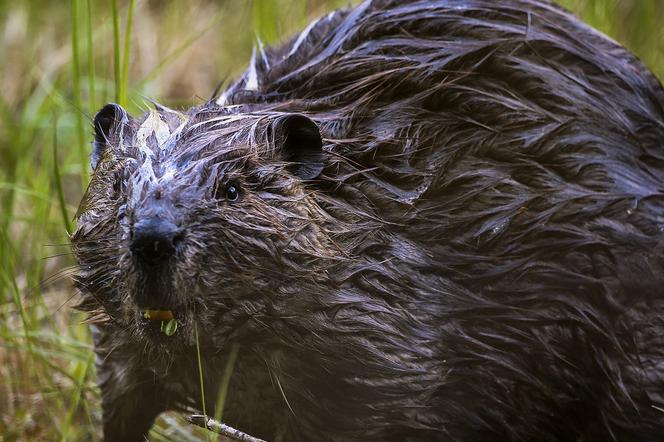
<point x="59" y="62"/>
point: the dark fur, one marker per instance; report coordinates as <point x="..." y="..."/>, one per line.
<point x="481" y="258"/>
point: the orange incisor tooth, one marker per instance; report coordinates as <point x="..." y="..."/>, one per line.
<point x="158" y="315"/>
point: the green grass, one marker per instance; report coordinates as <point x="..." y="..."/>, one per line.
<point x="59" y="62"/>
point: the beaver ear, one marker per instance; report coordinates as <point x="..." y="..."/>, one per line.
<point x="299" y="140"/>
<point x="107" y="123"/>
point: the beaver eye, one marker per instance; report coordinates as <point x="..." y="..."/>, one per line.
<point x="232" y="192"/>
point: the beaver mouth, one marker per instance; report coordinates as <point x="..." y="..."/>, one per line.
<point x="160" y="320"/>
<point x="156" y="314"/>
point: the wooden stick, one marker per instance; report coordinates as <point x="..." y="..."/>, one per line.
<point x="204" y="421"/>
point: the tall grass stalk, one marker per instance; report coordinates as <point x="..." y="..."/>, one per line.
<point x="225" y="383"/>
<point x="80" y="371"/>
<point x="200" y="375"/>
<point x="92" y="91"/>
<point x="76" y="80"/>
<point x="125" y="54"/>
<point x="265" y="26"/>
<point x="116" y="51"/>
<point x="57" y="176"/>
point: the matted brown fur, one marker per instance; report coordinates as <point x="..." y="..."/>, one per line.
<point x="472" y="248"/>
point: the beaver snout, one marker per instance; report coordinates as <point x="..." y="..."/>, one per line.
<point x="154" y="240"/>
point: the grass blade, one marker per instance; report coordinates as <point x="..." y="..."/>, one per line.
<point x="116" y="51"/>
<point x="79" y="372"/>
<point x="76" y="80"/>
<point x="58" y="180"/>
<point x="91" y="59"/>
<point x="125" y="55"/>
<point x="225" y="383"/>
<point x="265" y="25"/>
<point x="200" y="375"/>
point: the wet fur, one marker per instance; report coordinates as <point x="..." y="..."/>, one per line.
<point x="480" y="259"/>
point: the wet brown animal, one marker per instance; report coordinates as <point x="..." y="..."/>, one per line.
<point x="419" y="220"/>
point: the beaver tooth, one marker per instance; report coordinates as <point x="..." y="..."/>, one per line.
<point x="158" y="315"/>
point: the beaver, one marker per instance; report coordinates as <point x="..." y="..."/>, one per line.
<point x="416" y="220"/>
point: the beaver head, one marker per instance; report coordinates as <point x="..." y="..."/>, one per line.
<point x="202" y="216"/>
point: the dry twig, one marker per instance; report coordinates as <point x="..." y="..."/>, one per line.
<point x="206" y="422"/>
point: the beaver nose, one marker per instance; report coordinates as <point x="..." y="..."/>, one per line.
<point x="154" y="240"/>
